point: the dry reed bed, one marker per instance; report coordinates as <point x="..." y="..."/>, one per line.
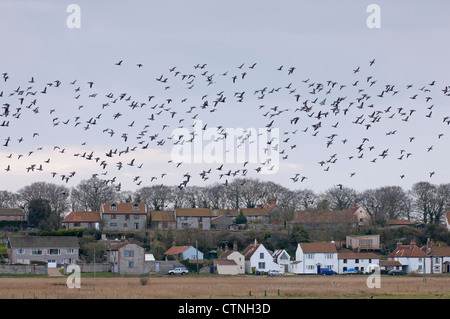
<point x="225" y="287"/>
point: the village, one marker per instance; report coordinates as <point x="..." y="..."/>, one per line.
<point x="119" y="231"/>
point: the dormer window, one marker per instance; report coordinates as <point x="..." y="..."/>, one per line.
<point x="135" y="207"/>
<point x="113" y="207"/>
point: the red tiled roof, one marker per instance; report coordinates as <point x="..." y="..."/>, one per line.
<point x="193" y="212"/>
<point x="123" y="208"/>
<point x="162" y="216"/>
<point x="82" y="217"/>
<point x="176" y="250"/>
<point x="225" y="262"/>
<point x="250" y="250"/>
<point x="390" y="263"/>
<point x="407" y="251"/>
<point x="318" y="247"/>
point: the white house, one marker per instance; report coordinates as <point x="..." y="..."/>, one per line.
<point x="282" y="258"/>
<point x="311" y="257"/>
<point x="258" y="258"/>
<point x="358" y="261"/>
<point x="184" y="252"/>
<point x="439" y="257"/>
<point x="411" y="257"/>
<point x="231" y="262"/>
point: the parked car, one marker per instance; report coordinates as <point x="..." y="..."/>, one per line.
<point x="272" y="273"/>
<point x="326" y="271"/>
<point x="178" y="271"/>
<point x="351" y="271"/>
<point x="395" y="272"/>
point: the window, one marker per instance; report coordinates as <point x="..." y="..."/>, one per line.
<point x="113" y="225"/>
<point x="356" y="261"/>
<point x="136" y="216"/>
<point x="345" y="261"/>
<point x="344" y="268"/>
<point x="113" y="216"/>
<point x="76" y="224"/>
<point x="53" y="251"/>
<point x="309" y="256"/>
<point x="129" y="253"/>
<point x="136" y="225"/>
<point x="36" y="251"/>
<point x="125" y="225"/>
<point x="328" y="256"/>
<point x="113" y="207"/>
<point x="70" y="251"/>
<point x="436" y="259"/>
<point x="20" y="251"/>
<point x="262" y="265"/>
<point x="261" y="256"/>
<point x="130" y="264"/>
<point x="135" y="207"/>
<point x="127" y="217"/>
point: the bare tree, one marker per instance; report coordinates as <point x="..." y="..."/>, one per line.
<point x="305" y="199"/>
<point x="9" y="199"/>
<point x="158" y="197"/>
<point x="341" y="198"/>
<point x="431" y="200"/>
<point x="57" y="196"/>
<point x="91" y="193"/>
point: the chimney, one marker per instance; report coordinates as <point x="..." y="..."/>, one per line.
<point x="131" y="240"/>
<point x="235" y="246"/>
<point x="399" y="242"/>
<point x="413" y="242"/>
<point x="122" y="238"/>
<point x="256" y="243"/>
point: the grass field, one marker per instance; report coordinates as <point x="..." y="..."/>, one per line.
<point x="228" y="287"/>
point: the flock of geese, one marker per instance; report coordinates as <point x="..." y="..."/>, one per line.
<point x="131" y="128"/>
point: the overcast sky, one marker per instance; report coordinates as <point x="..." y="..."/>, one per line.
<point x="335" y="125"/>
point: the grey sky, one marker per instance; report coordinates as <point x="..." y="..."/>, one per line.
<point x="323" y="40"/>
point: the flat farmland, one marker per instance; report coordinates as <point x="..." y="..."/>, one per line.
<point x="229" y="287"/>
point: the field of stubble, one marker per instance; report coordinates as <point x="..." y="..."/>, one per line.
<point x="229" y="287"/>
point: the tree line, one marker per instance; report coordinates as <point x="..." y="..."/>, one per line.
<point x="424" y="202"/>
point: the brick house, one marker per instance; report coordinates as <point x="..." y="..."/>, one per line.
<point x="127" y="257"/>
<point x="123" y="216"/>
<point x="12" y="214"/>
<point x="55" y="250"/>
<point x="199" y="218"/>
<point x="163" y="219"/>
<point x="82" y="220"/>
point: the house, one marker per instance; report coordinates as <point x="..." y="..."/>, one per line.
<point x="365" y="243"/>
<point x="127" y="257"/>
<point x="82" y="220"/>
<point x="311" y="257"/>
<point x="163" y="219"/>
<point x="184" y="252"/>
<point x="388" y="265"/>
<point x="231" y="262"/>
<point x="411" y="257"/>
<point x="358" y="261"/>
<point x="439" y="257"/>
<point x="447" y="220"/>
<point x="395" y="223"/>
<point x="258" y="258"/>
<point x="199" y="218"/>
<point x="12" y="214"/>
<point x="273" y="210"/>
<point x="55" y="250"/>
<point x="123" y="216"/>
<point x="256" y="214"/>
<point x="352" y="217"/>
<point x="282" y="258"/>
